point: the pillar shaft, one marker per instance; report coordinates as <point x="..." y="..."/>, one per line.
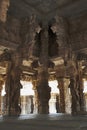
<point x="75" y="96"/>
<point x="81" y="94"/>
<point x="42" y="86"/>
<point x="13" y="86"/>
<point x="61" y="95"/>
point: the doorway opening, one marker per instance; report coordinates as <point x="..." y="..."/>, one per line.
<point x="54" y="100"/>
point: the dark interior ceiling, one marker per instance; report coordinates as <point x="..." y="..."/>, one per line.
<point x="45" y="10"/>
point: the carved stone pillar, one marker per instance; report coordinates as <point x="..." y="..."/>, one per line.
<point x="80" y="87"/>
<point x="43" y="92"/>
<point x="76" y="87"/>
<point x="13" y="85"/>
<point x="61" y="95"/>
<point x="4" y="4"/>
<point x="1" y="83"/>
<point x="67" y="96"/>
<point x="42" y="86"/>
<point x="75" y="96"/>
<point x="81" y="94"/>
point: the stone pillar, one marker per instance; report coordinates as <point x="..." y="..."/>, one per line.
<point x="81" y="94"/>
<point x="1" y="83"/>
<point x="13" y="86"/>
<point x="61" y="95"/>
<point x="42" y="85"/>
<point x="4" y="4"/>
<point x="43" y="92"/>
<point x="80" y="87"/>
<point x="75" y="96"/>
<point x="67" y="96"/>
<point x="76" y="87"/>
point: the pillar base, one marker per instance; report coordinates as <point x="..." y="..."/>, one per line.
<point x="43" y="109"/>
<point x="13" y="112"/>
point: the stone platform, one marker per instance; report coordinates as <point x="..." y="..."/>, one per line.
<point x="44" y="122"/>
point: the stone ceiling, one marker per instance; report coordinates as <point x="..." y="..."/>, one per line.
<point x="44" y="9"/>
<point x="47" y="8"/>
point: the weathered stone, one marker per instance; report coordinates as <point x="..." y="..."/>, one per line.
<point x="4" y="4"/>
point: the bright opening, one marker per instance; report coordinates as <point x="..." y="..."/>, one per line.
<point x="85" y="87"/>
<point x="53" y="84"/>
<point x="54" y="91"/>
<point x="28" y="91"/>
<point x="27" y="88"/>
<point x="3" y="90"/>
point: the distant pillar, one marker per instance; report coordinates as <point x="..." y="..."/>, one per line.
<point x="67" y="96"/>
<point x="35" y="96"/>
<point x="81" y="87"/>
<point x="61" y="95"/>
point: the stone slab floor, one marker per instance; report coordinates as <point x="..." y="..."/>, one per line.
<point x="44" y="122"/>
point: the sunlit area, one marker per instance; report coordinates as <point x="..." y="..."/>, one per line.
<point x="28" y="101"/>
<point x="85" y="87"/>
<point x="28" y="97"/>
<point x="54" y="95"/>
<point x="54" y="86"/>
<point x="85" y="93"/>
<point x="3" y="90"/>
<point x="27" y="88"/>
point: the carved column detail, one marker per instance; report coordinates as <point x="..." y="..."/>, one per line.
<point x="61" y="95"/>
<point x="42" y="86"/>
<point x="80" y="87"/>
<point x="67" y="96"/>
<point x="13" y="85"/>
<point x="76" y="87"/>
<point x="74" y="94"/>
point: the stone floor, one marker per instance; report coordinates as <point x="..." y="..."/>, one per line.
<point x="44" y="122"/>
